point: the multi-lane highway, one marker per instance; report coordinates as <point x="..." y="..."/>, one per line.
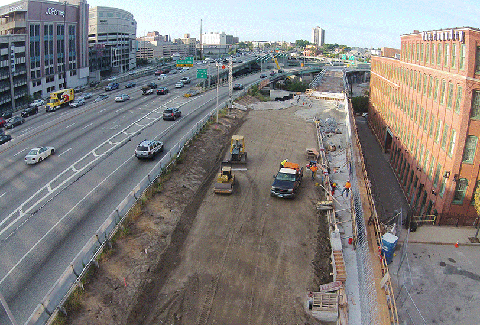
<point x="49" y="210"/>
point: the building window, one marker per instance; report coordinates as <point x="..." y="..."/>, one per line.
<point x="446" y="54"/>
<point x="477" y="183"/>
<point x="442" y="91"/>
<point x="425" y="121"/>
<point x="460" y="191"/>
<point x="437" y="175"/>
<point x="450" y="95"/>
<point x="421" y="52"/>
<point x="451" y="144"/>
<point x="425" y="80"/>
<point x="443" y="186"/>
<point x="435" y="90"/>
<point x="430" y="170"/>
<point x="461" y="64"/>
<point x="453" y="63"/>
<point x="432" y="126"/>
<point x="432" y="55"/>
<point x="439" y="53"/>
<point x="430" y="81"/>
<point x="458" y="99"/>
<point x="477" y="60"/>
<point x="475" y="113"/>
<point x="438" y="131"/>
<point x="470" y="148"/>
<point x="427" y="53"/>
<point x="444" y="136"/>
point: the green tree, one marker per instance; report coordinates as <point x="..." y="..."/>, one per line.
<point x="360" y="104"/>
<point x="301" y="43"/>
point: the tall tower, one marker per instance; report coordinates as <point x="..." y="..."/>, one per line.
<point x="318" y="36"/>
<point x="201" y="43"/>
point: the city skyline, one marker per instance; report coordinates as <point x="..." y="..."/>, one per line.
<point x="367" y="23"/>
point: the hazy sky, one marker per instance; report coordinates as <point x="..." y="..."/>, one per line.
<point x="363" y="23"/>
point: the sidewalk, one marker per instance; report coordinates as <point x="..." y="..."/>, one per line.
<point x="441" y="235"/>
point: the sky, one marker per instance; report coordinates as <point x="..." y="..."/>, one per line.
<point x="357" y="23"/>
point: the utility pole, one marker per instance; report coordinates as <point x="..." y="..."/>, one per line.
<point x="65" y="40"/>
<point x="230" y="82"/>
<point x="218" y="81"/>
<point x="201" y="43"/>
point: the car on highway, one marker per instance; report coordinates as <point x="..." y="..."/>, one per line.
<point x="101" y="97"/>
<point x="122" y="98"/>
<point x="262" y="76"/>
<point x="272" y="73"/>
<point x="37" y="103"/>
<point x="36" y="155"/>
<point x="77" y="102"/>
<point x="162" y="91"/>
<point x="2" y="122"/>
<point x="87" y="95"/>
<point x="179" y="84"/>
<point x="5" y="138"/>
<point x="29" y="111"/>
<point x="147" y="91"/>
<point x="7" y="115"/>
<point x="112" y="78"/>
<point x="152" y="85"/>
<point x="162" y="76"/>
<point x="147" y="149"/>
<point x="171" y="114"/>
<point x="130" y="85"/>
<point x="14" y="121"/>
<point x="158" y="72"/>
<point x="112" y="86"/>
<point x="185" y="80"/>
<point x="94" y="83"/>
<point x="237" y="87"/>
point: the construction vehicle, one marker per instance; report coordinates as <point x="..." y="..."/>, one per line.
<point x="276" y="62"/>
<point x="59" y="98"/>
<point x="225" y="181"/>
<point x="237" y="153"/>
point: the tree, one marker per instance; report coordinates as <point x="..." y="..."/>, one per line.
<point x="301" y="43"/>
<point x="360" y="104"/>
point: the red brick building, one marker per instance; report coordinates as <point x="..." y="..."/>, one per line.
<point x="425" y="111"/>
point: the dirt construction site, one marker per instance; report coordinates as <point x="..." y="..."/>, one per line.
<point x="186" y="255"/>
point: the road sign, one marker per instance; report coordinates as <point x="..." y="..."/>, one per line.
<point x="187" y="62"/>
<point x="201" y="73"/>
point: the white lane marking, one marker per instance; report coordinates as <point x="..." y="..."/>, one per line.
<point x="69" y="125"/>
<point x="3" y="194"/>
<point x="64" y="152"/>
<point x="20" y="152"/>
<point x="86" y="126"/>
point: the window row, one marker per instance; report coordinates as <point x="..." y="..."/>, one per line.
<point x="440" y="54"/>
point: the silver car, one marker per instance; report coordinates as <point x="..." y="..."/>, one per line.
<point x="38" y="154"/>
<point x="77" y="102"/>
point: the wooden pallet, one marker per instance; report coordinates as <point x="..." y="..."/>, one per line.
<point x="325" y="301"/>
<point x="339" y="271"/>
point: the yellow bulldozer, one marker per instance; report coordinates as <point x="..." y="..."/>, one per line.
<point x="237" y="153"/>
<point x="225" y="181"/>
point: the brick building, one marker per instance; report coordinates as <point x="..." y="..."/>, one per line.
<point x="425" y="111"/>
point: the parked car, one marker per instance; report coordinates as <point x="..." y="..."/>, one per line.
<point x="179" y="84"/>
<point x="112" y="86"/>
<point x="77" y="102"/>
<point x="31" y="110"/>
<point x="152" y="85"/>
<point x="5" y="138"/>
<point x="14" y="121"/>
<point x="147" y="149"/>
<point x="94" y="83"/>
<point x="100" y="98"/>
<point x="122" y="98"/>
<point x="130" y="85"/>
<point x="87" y="95"/>
<point x="37" y="103"/>
<point x="7" y="115"/>
<point x="162" y="91"/>
<point x="2" y="122"/>
<point x="237" y="87"/>
<point x="171" y="114"/>
<point x="36" y="155"/>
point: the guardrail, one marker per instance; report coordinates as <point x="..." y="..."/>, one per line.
<point x="70" y="278"/>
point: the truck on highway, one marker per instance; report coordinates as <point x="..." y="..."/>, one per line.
<point x="287" y="181"/>
<point x="59" y="98"/>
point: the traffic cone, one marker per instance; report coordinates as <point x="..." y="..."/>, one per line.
<point x="456" y="244"/>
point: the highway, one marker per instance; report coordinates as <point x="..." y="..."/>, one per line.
<point x="49" y="210"/>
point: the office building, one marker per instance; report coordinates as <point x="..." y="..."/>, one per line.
<point x="425" y="111"/>
<point x="318" y="36"/>
<point x="156" y="46"/>
<point x="112" y="41"/>
<point x="56" y="54"/>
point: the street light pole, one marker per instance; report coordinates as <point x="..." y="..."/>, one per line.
<point x="218" y="81"/>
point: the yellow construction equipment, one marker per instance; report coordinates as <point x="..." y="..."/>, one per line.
<point x="225" y="181"/>
<point x="276" y="62"/>
<point x="237" y="154"/>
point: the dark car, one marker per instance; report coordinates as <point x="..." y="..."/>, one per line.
<point x="130" y="85"/>
<point x="14" y="121"/>
<point x="152" y="85"/>
<point x="162" y="91"/>
<point x="100" y="97"/>
<point x="158" y="72"/>
<point x="5" y="138"/>
<point x="263" y="76"/>
<point x="272" y="73"/>
<point x="112" y="86"/>
<point x="2" y="122"/>
<point x="171" y="114"/>
<point x="7" y="115"/>
<point x="237" y="87"/>
<point x="29" y="111"/>
<point x="94" y="83"/>
<point x="147" y="149"/>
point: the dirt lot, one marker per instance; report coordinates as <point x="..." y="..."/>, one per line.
<point x="193" y="257"/>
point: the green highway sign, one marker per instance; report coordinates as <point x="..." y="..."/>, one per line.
<point x="201" y="73"/>
<point x="187" y="62"/>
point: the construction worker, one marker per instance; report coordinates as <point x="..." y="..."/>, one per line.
<point x="282" y="164"/>
<point x="334" y="187"/>
<point x="313" y="168"/>
<point x="346" y="188"/>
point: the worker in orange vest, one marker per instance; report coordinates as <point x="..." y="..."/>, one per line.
<point x="346" y="188"/>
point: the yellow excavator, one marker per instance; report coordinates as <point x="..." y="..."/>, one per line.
<point x="225" y="181"/>
<point x="237" y="153"/>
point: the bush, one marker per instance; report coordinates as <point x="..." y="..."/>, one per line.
<point x="360" y="104"/>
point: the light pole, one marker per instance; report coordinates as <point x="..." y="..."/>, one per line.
<point x="218" y="81"/>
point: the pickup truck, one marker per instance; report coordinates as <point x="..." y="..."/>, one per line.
<point x="287" y="181"/>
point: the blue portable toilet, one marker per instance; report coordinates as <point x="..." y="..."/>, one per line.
<point x="389" y="242"/>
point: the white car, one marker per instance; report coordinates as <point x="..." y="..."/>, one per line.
<point x="162" y="76"/>
<point x="179" y="84"/>
<point x="122" y="98"/>
<point x="77" y="102"/>
<point x="38" y="154"/>
<point x="37" y="103"/>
